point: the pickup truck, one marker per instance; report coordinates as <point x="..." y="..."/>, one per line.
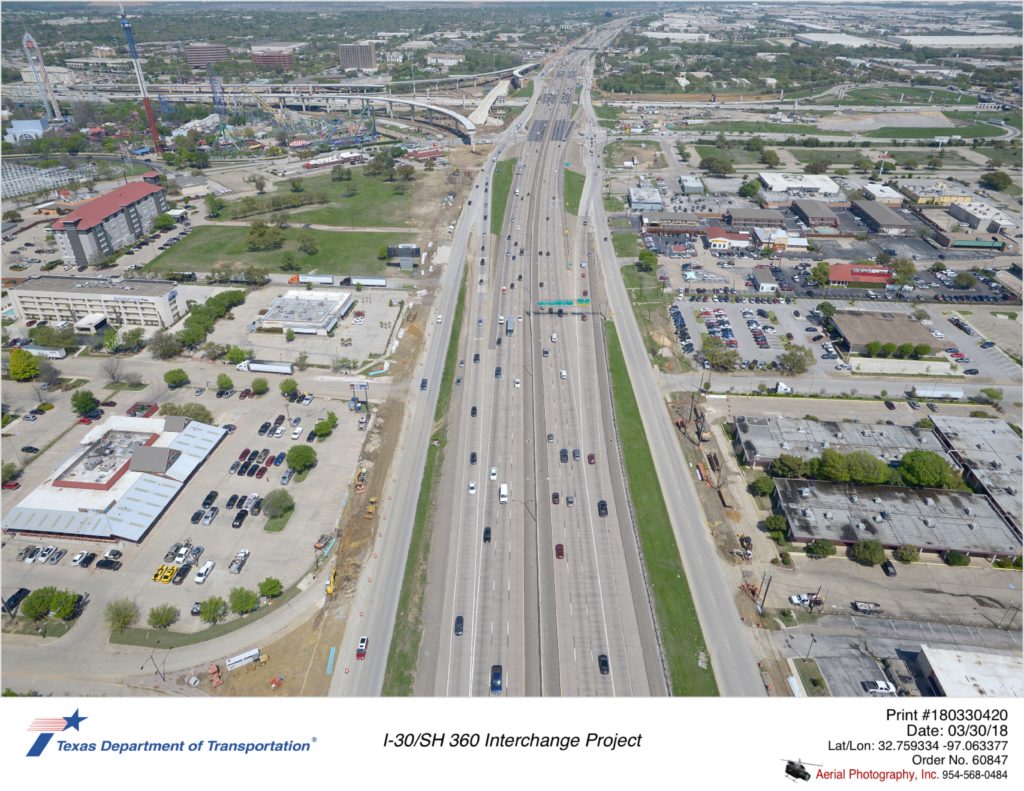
<point x="238" y="562"/>
<point x="867" y="607"/>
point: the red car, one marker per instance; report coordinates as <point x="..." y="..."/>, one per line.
<point x="591" y="458"/>
<point x="555" y="498"/>
<point x="247" y="393"/>
<point x="85" y="421"/>
<point x="361" y="648"/>
<point x="243" y="455"/>
<point x="261" y="472"/>
<point x="11" y="485"/>
<point x="559" y="552"/>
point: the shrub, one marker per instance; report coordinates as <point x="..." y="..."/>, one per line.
<point x="763" y="486"/>
<point x="260" y="387"/>
<point x="869" y="553"/>
<point x="162" y="616"/>
<point x="277" y="503"/>
<point x="271" y="587"/>
<point x="907" y="554"/>
<point x="775" y="524"/>
<point x="820" y="549"/>
<point x="213" y="609"/>
<point x="954" y="558"/>
<point x="243" y="600"/>
<point x="121" y="613"/>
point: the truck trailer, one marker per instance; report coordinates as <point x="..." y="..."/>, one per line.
<point x="265" y="367"/>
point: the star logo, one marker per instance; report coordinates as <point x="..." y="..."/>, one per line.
<point x="47" y="726"/>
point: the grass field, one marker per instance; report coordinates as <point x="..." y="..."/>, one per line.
<point x="891" y="96"/>
<point x="340" y="253"/>
<point x="916" y="133"/>
<point x="1008" y="156"/>
<point x="738" y="156"/>
<point x="524" y="92"/>
<point x="613" y="203"/>
<point x="625" y="244"/>
<point x="501" y="184"/>
<point x="374" y="202"/>
<point x="830" y="156"/>
<point x="648" y="299"/>
<point x="760" y="126"/>
<point x="681" y="636"/>
<point x="607" y="112"/>
<point x="573" y="190"/>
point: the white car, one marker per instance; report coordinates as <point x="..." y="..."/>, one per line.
<point x="44" y="556"/>
<point x="563" y="374"/>
<point x="517" y="382"/>
<point x="938" y="334"/>
<point x="78" y="558"/>
<point x="501" y="319"/>
<point x="296" y="432"/>
<point x="440" y="318"/>
<point x="203" y="573"/>
<point x="493" y="473"/>
<point x="472" y="487"/>
<point x="881" y="688"/>
<point x="799" y="599"/>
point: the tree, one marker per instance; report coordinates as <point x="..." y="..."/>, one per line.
<point x="648" y="260"/>
<point x="260" y="386"/>
<point x="113" y="370"/>
<point x="236" y="355"/>
<point x="322" y="429"/>
<point x="718" y="355"/>
<point x="787" y="466"/>
<point x="36" y="605"/>
<point x="23" y="365"/>
<point x="214" y="205"/>
<point x="763" y="486"/>
<point x="308" y="245"/>
<point x="889" y="349"/>
<point x="243" y="600"/>
<point x="904" y="350"/>
<point x="64" y="604"/>
<point x="992" y="394"/>
<point x="795" y="360"/>
<point x="192" y="411"/>
<point x="907" y="554"/>
<point x="770" y="158"/>
<point x="110" y="339"/>
<point x="873" y="348"/>
<point x="405" y="172"/>
<point x="903" y="270"/>
<point x="83" y="401"/>
<point x="832" y="466"/>
<point x="819" y="276"/>
<point x="213" y="609"/>
<point x="288" y="262"/>
<point x="964" y="280"/>
<point x="996" y="180"/>
<point x="262" y="237"/>
<point x="224" y="382"/>
<point x="301" y="458"/>
<point x="260" y="183"/>
<point x="921" y="350"/>
<point x="288" y="386"/>
<point x="121" y="613"/>
<point x="340" y="173"/>
<point x="429" y="166"/>
<point x="382" y="253"/>
<point x="271" y="587"/>
<point x="863" y="467"/>
<point x="749" y="189"/>
<point x="163" y="345"/>
<point x="8" y="472"/>
<point x="869" y="553"/>
<point x="815" y="167"/>
<point x="277" y="503"/>
<point x="162" y="616"/>
<point x="163" y="222"/>
<point x="716" y="166"/>
<point x="289" y="335"/>
<point x="928" y="470"/>
<point x="954" y="558"/>
<point x="938" y="266"/>
<point x="826" y="309"/>
<point x="131" y="340"/>
<point x="776" y="523"/>
<point x="11" y="215"/>
<point x="176" y="377"/>
<point x="820" y="549"/>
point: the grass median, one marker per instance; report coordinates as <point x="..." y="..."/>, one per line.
<point x="573" y="191"/>
<point x="681" y="637"/>
<point x="400" y="675"/>
<point x="501" y="184"/>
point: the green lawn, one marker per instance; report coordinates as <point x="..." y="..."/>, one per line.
<point x="275" y="524"/>
<point x="737" y="156"/>
<point x="501" y="185"/>
<point x="760" y="126"/>
<point x="891" y="96"/>
<point x="1011" y="155"/>
<point x="573" y="190"/>
<point x="525" y="92"/>
<point x="613" y="203"/>
<point x="681" y="636"/>
<point x="966" y="131"/>
<point x="374" y="203"/>
<point x="607" y="112"/>
<point x="625" y="244"/>
<point x="340" y="253"/>
<point x="830" y="156"/>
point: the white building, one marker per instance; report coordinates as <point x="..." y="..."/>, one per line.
<point x="307" y="312"/>
<point x="883" y="193"/>
<point x="136" y="303"/>
<point x="799" y="182"/>
<point x="645" y="199"/>
<point x="444" y="59"/>
<point x="982" y="216"/>
<point x="21" y="131"/>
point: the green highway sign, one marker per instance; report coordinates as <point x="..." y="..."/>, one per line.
<point x="582" y="301"/>
<point x="549" y="302"/>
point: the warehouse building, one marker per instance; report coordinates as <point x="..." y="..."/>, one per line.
<point x="881" y="219"/>
<point x="858" y="328"/>
<point x="755" y="218"/>
<point x="199" y="55"/>
<point x="100" y="227"/>
<point x="989" y="453"/>
<point x="883" y="193"/>
<point x="358" y="56"/>
<point x="306" y="312"/>
<point x="799" y="182"/>
<point x="133" y="303"/>
<point x="964" y="673"/>
<point x="762" y="440"/>
<point x="815" y="213"/>
<point x="124" y="475"/>
<point x="934" y="520"/>
<point x="935" y="192"/>
<point x="982" y="216"/>
<point x="405" y="256"/>
<point x="645" y="199"/>
<point x="691" y="184"/>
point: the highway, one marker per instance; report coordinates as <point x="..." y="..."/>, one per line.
<point x="544" y="619"/>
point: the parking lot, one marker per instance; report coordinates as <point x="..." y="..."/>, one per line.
<point x="285" y="555"/>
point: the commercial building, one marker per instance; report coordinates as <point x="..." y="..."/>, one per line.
<point x="934" y="520"/>
<point x="358" y="56"/>
<point x="937" y="192"/>
<point x="778" y="240"/>
<point x="954" y="43"/>
<point x="199" y="55"/>
<point x="121" y="479"/>
<point x="645" y="199"/>
<point x="835" y="40"/>
<point x="755" y="218"/>
<point x="989" y="453"/>
<point x="721" y="239"/>
<point x="673" y="223"/>
<point x="100" y="227"/>
<point x="845" y="274"/>
<point x="815" y="214"/>
<point x="691" y="184"/>
<point x="982" y="216"/>
<point x="964" y="673"/>
<point x="799" y="182"/>
<point x="881" y="219"/>
<point x="883" y="193"/>
<point x="445" y="59"/>
<point x="762" y="440"/>
<point x="100" y="66"/>
<point x="23" y="180"/>
<point x="859" y="328"/>
<point x="23" y="131"/>
<point x="136" y="303"/>
<point x="274" y="54"/>
<point x="766" y="286"/>
<point x="306" y="312"/>
<point x="405" y="256"/>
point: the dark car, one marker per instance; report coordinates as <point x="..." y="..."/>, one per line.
<point x="555" y="498"/>
<point x="972" y="371"/>
<point x="458" y="625"/>
<point x="196" y="608"/>
<point x="30" y="449"/>
<point x="423" y="384"/>
<point x="496" y="679"/>
<point x="239" y="518"/>
<point x="559" y="552"/>
<point x="472" y="411"/>
<point x="107" y="563"/>
<point x="602" y="664"/>
<point x="279" y="459"/>
<point x="253" y="470"/>
<point x="563" y="456"/>
<point x="889" y="569"/>
<point x="12" y="601"/>
<point x="487" y="535"/>
<point x="181" y="574"/>
<point x="264" y="429"/>
<point x="243" y="469"/>
<point x="311" y="436"/>
<point x="890" y="406"/>
<point x="253" y="455"/>
<point x="476" y="358"/>
<point x="256" y="507"/>
<point x="197" y="516"/>
<point x="231" y="501"/>
<point x="602" y="508"/>
<point x="85" y="562"/>
<point x="234" y="467"/>
<point x="472" y="457"/>
<point x="210" y="499"/>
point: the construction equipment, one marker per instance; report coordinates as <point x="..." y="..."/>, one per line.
<point x="361" y="481"/>
<point x="136" y="64"/>
<point x="371" y="508"/>
<point x="332" y="582"/>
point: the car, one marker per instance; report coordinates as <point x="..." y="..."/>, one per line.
<point x="472" y="457"/>
<point x="239" y="518"/>
<point x="602" y="508"/>
<point x="37" y="412"/>
<point x="193" y="556"/>
<point x="890" y="406"/>
<point x="286" y="476"/>
<point x="311" y="436"/>
<point x="231" y="502"/>
<point x="279" y="459"/>
<point x="172" y="553"/>
<point x="56" y="557"/>
<point x="76" y="560"/>
<point x="364" y="641"/>
<point x="555" y="498"/>
<point x="264" y="429"/>
<point x="889" y="569"/>
<point x="210" y="499"/>
<point x="932" y="406"/>
<point x="971" y="371"/>
<point x="423" y="384"/>
<point x="211" y="515"/>
<point x="472" y="487"/>
<point x="458" y="625"/>
<point x="181" y="573"/>
<point x="801" y="599"/>
<point x="168" y="574"/>
<point x="108" y="565"/>
<point x="11" y="485"/>
<point x="988" y="344"/>
<point x="204" y="572"/>
<point x="85" y="562"/>
<point x="570" y="501"/>
<point x="575" y="454"/>
<point x="493" y="474"/>
<point x="85" y="421"/>
<point x="257" y="507"/>
<point x="234" y="467"/>
<point x="487" y="535"/>
<point x="497" y="372"/>
<point x="496" y="679"/>
<point x="880" y="688"/>
<point x="32" y="555"/>
<point x="279" y="432"/>
<point x="11" y="602"/>
<point x="182" y="555"/>
<point x="253" y="470"/>
<point x="108" y="403"/>
<point x="602" y="664"/>
<point x="472" y="411"/>
<point x="244" y="469"/>
<point x="563" y="455"/>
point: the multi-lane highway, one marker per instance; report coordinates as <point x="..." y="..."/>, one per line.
<point x="540" y="571"/>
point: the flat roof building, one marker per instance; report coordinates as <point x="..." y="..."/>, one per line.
<point x="199" y="55"/>
<point x="860" y="327"/>
<point x="761" y="440"/>
<point x="982" y="216"/>
<point x="834" y="40"/>
<point x="799" y="182"/>
<point x="934" y="520"/>
<point x="938" y="192"/>
<point x="358" y="56"/>
<point x="307" y="312"/>
<point x="989" y="452"/>
<point x="845" y="274"/>
<point x="274" y="54"/>
<point x="883" y="193"/>
<point x="673" y="223"/>
<point x="755" y="218"/>
<point x="815" y="213"/>
<point x="958" y="42"/>
<point x="645" y="199"/>
<point x="100" y="227"/>
<point x="691" y="184"/>
<point x="136" y="303"/>
<point x="881" y="219"/>
<point x="964" y="673"/>
<point x="116" y="485"/>
<point x="722" y="239"/>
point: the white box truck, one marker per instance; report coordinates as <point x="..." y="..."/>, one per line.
<point x="503" y="494"/>
<point x="265" y="366"/>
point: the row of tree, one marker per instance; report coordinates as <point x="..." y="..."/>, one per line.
<point x="917" y="468"/>
<point x="902" y="351"/>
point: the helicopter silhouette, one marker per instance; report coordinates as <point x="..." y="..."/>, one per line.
<point x="796" y="770"/>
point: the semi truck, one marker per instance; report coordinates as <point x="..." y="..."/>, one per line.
<point x="931" y="393"/>
<point x="46" y="351"/>
<point x="317" y="280"/>
<point x="510" y="325"/>
<point x="265" y="367"/>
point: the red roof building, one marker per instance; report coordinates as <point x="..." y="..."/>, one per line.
<point x="427" y="153"/>
<point x="721" y="239"/>
<point x="842" y="274"/>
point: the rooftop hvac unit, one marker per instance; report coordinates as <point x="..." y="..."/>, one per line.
<point x="929" y="522"/>
<point x="808" y="513"/>
<point x="929" y="501"/>
<point x="876" y="499"/>
<point x="854" y="498"/>
<point x="972" y="525"/>
<point x="805" y="492"/>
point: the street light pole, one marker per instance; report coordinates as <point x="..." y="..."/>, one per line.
<point x="809" y="647"/>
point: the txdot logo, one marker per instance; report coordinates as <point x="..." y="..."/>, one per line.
<point x="47" y="726"/>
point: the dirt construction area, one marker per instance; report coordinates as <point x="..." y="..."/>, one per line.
<point x="647" y="154"/>
<point x="865" y="122"/>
